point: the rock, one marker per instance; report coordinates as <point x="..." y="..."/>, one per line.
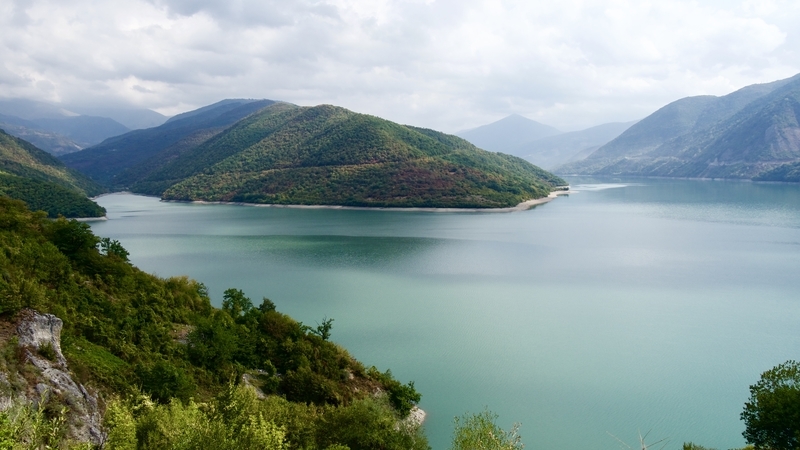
<point x="39" y="337"/>
<point x="40" y="331"/>
<point x="416" y="417"/>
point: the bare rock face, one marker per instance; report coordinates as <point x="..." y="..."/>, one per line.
<point x="39" y="336"/>
<point x="40" y="332"/>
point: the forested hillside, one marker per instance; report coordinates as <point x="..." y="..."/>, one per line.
<point x="166" y="364"/>
<point x="43" y="182"/>
<point x="326" y="155"/>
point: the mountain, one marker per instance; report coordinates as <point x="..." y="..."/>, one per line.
<point x="53" y="143"/>
<point x="132" y="118"/>
<point x="83" y="130"/>
<point x="43" y="182"/>
<point x="553" y="151"/>
<point x="327" y="155"/>
<point x="745" y="134"/>
<point x="507" y="134"/>
<point x="53" y="128"/>
<point x="140" y="151"/>
<point x="31" y="109"/>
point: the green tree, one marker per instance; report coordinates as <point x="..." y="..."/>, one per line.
<point x="235" y="303"/>
<point x="772" y="414"/>
<point x="481" y="432"/>
<point x="110" y="247"/>
<point x="324" y="330"/>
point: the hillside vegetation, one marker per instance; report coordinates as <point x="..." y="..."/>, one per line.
<point x="753" y="133"/>
<point x="326" y="155"/>
<point x="43" y="182"/>
<point x="169" y="363"/>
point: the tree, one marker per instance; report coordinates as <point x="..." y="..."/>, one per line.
<point x="772" y="414"/>
<point x="110" y="247"/>
<point x="235" y="303"/>
<point x="324" y="330"/>
<point x="481" y="432"/>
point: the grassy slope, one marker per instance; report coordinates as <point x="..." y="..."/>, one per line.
<point x="328" y="155"/>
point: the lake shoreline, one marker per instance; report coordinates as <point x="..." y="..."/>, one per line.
<point x="524" y="206"/>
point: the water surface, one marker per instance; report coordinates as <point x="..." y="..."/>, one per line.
<point x="630" y="305"/>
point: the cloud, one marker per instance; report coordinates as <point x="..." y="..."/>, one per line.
<point x="440" y="64"/>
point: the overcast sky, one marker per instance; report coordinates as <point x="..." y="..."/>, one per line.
<point x="448" y="65"/>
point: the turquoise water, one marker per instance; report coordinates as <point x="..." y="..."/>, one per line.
<point x="631" y="305"/>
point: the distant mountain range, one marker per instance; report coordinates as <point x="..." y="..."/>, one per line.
<point x="59" y="131"/>
<point x="43" y="182"/>
<point x="541" y="144"/>
<point x="553" y="151"/>
<point x="507" y="134"/>
<point x="279" y="153"/>
<point x="752" y="133"/>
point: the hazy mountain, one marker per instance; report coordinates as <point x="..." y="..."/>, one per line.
<point x="132" y="118"/>
<point x="507" y="134"/>
<point x="552" y="151"/>
<point x="288" y="154"/>
<point x="53" y="128"/>
<point x="31" y="109"/>
<point x="43" y="182"/>
<point x="83" y="130"/>
<point x="741" y="135"/>
<point x="137" y="150"/>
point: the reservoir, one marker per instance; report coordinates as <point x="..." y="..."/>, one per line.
<point x="631" y="305"/>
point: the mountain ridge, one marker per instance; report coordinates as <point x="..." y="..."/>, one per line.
<point x="742" y="135"/>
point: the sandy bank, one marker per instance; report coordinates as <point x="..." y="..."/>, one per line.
<point x="521" y="207"/>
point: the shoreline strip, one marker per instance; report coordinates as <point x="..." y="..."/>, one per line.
<point x="524" y="206"/>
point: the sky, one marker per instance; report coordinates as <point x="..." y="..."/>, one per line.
<point x="448" y="65"/>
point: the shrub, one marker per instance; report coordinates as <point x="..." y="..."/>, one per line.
<point x="480" y="431"/>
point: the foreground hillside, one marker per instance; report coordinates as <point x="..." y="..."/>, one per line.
<point x="158" y="361"/>
<point x="753" y="133"/>
<point x="326" y="155"/>
<point x="43" y="182"/>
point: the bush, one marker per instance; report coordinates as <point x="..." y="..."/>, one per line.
<point x="480" y="431"/>
<point x="165" y="382"/>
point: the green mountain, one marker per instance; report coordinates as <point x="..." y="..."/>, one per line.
<point x="745" y="134"/>
<point x="43" y="182"/>
<point x="140" y="151"/>
<point x="326" y="155"/>
<point x="507" y="134"/>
